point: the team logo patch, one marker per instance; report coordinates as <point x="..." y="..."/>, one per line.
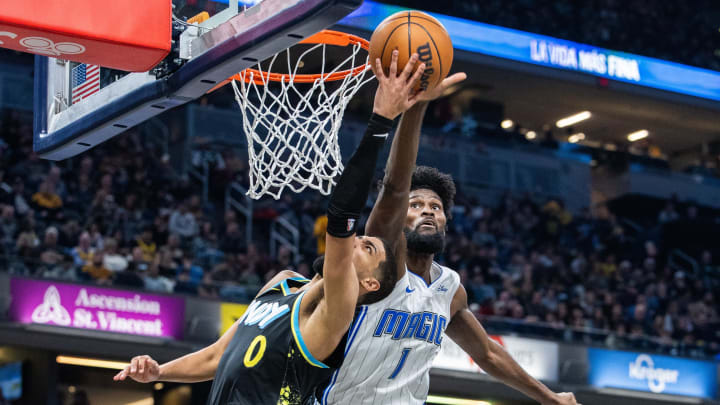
<point x="351" y="224"/>
<point x="442" y="288"/>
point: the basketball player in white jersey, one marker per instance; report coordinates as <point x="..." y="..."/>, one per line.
<point x="392" y="343"/>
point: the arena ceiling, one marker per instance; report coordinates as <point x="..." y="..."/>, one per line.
<point x="535" y="96"/>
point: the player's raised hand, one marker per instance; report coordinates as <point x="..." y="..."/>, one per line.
<point x="141" y="369"/>
<point x="564" y="398"/>
<point x="395" y="93"/>
<point x="438" y="90"/>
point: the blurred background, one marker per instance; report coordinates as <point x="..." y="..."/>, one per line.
<point x="586" y="228"/>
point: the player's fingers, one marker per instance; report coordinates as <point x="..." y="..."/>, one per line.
<point x="141" y="365"/>
<point x="409" y="66"/>
<point x="454" y="79"/>
<point x="122" y="374"/>
<point x="416" y="76"/>
<point x="411" y="102"/>
<point x="393" y="63"/>
<point x="133" y="365"/>
<point x="378" y="69"/>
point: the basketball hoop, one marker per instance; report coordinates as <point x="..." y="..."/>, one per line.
<point x="292" y="129"/>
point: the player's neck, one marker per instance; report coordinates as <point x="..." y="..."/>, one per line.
<point x="420" y="264"/>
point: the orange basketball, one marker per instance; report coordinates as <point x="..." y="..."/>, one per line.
<point x="414" y="32"/>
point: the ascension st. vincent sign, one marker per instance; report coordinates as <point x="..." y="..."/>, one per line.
<point x="102" y="309"/>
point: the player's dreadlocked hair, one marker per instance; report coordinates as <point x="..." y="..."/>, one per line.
<point x="441" y="183"/>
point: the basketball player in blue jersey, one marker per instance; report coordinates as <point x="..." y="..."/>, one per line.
<point x="392" y="343"/>
<point x="293" y="335"/>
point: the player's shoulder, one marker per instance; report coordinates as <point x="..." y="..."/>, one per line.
<point x="447" y="272"/>
<point x="448" y="279"/>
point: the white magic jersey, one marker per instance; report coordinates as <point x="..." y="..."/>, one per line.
<point x="392" y="343"/>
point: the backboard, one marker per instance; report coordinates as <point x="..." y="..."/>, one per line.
<point x="231" y="37"/>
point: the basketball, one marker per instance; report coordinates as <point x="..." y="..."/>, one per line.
<point x="414" y="32"/>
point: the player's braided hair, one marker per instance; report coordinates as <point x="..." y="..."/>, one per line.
<point x="441" y="183"/>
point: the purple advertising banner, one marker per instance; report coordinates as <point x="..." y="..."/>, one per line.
<point x="103" y="309"/>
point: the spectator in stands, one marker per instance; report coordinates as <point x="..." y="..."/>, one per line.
<point x="137" y="262"/>
<point x="175" y="246"/>
<point x="80" y="191"/>
<point x="189" y="276"/>
<point x="8" y="229"/>
<point x="147" y="244"/>
<point x="168" y="266"/>
<point x="82" y="253"/>
<point x="6" y="190"/>
<point x="154" y="281"/>
<point x="27" y="240"/>
<point x="49" y="252"/>
<point x="182" y="222"/>
<point x="96" y="270"/>
<point x="21" y="205"/>
<point x="233" y="240"/>
<point x="129" y="217"/>
<point x="112" y="259"/>
<point x="47" y="202"/>
<point x="193" y="271"/>
<point x="131" y="276"/>
<point x="319" y="231"/>
<point x="54" y="179"/>
<point x="97" y="239"/>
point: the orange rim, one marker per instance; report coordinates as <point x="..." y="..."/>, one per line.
<point x="327" y="37"/>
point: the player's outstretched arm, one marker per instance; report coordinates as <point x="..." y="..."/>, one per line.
<point x="387" y="218"/>
<point x="335" y="313"/>
<point x="194" y="367"/>
<point x="465" y="330"/>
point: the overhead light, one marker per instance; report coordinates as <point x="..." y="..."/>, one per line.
<point x="575" y="138"/>
<point x="530" y="135"/>
<point x="637" y="135"/>
<point x="440" y="400"/>
<point x="72" y="389"/>
<point x="158" y="386"/>
<point x="506" y="124"/>
<point x="82" y="361"/>
<point x="573" y="119"/>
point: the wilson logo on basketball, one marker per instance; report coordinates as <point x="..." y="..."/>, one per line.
<point x="425" y="56"/>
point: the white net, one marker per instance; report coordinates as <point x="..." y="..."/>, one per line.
<point x="292" y="128"/>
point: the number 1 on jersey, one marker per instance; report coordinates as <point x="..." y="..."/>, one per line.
<point x="401" y="364"/>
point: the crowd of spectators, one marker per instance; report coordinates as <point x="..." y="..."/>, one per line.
<point x="121" y="216"/>
<point x="689" y="29"/>
<point x="538" y="263"/>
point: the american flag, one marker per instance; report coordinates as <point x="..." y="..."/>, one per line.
<point x="85" y="81"/>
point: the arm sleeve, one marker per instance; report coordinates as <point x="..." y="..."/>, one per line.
<point x="351" y="192"/>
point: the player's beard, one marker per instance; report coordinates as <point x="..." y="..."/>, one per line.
<point x="429" y="244"/>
